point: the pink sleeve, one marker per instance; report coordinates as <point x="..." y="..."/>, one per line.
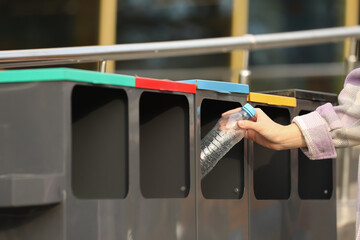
<point x="331" y="127"/>
<point x="317" y="135"/>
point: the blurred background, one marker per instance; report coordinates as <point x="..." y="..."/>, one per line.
<point x="64" y="23"/>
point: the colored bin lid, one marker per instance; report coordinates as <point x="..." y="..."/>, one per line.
<point x="164" y="85"/>
<point x="218" y="86"/>
<point x="315" y="96"/>
<point x="65" y="74"/>
<point x="271" y="99"/>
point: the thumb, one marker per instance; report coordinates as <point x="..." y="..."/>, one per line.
<point x="246" y="124"/>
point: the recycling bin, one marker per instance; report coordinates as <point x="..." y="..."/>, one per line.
<point x="64" y="143"/>
<point x="222" y="196"/>
<point x="164" y="146"/>
<point x="90" y="155"/>
<point x="270" y="175"/>
<point x="307" y="210"/>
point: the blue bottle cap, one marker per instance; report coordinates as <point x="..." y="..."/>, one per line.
<point x="249" y="109"/>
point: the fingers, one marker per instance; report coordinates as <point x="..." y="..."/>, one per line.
<point x="254" y="118"/>
<point x="250" y="134"/>
<point x="246" y="124"/>
<point x="231" y="111"/>
<point x="260" y="115"/>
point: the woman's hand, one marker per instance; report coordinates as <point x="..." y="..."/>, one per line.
<point x="264" y="131"/>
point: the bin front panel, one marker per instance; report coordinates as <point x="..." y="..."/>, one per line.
<point x="33" y="149"/>
<point x="310" y="211"/>
<point x="32" y="136"/>
<point x="79" y="145"/>
<point x="222" y="196"/>
<point x="33" y="223"/>
<point x="270" y="183"/>
<point x="151" y="209"/>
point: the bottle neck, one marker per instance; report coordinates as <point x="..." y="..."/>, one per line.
<point x="245" y="114"/>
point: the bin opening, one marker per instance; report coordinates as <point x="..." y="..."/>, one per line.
<point x="164" y="145"/>
<point x="226" y="179"/>
<point x="315" y="176"/>
<point x="272" y="168"/>
<point x="99" y="166"/>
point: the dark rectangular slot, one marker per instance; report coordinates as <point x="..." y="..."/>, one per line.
<point x="226" y="179"/>
<point x="99" y="167"/>
<point x="164" y="145"/>
<point x="315" y="176"/>
<point x="272" y="168"/>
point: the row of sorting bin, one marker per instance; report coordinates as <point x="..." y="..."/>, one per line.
<point x="88" y="155"/>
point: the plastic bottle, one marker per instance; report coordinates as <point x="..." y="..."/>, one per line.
<point x="222" y="137"/>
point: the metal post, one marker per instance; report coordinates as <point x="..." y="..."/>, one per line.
<point x="244" y="77"/>
<point x="107" y="26"/>
<point x="103" y="66"/>
<point x="245" y="73"/>
<point x="239" y="27"/>
<point x="352" y="58"/>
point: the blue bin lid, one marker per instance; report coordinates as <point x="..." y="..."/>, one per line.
<point x="224" y="87"/>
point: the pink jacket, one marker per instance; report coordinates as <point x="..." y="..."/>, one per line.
<point x="332" y="127"/>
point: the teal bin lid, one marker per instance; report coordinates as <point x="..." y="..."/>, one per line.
<point x="224" y="87"/>
<point x="65" y="74"/>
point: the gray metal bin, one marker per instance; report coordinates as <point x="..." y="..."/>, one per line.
<point x="88" y="155"/>
<point x="270" y="198"/>
<point x="222" y="195"/>
<point x="305" y="208"/>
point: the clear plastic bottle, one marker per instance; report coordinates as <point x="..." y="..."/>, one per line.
<point x="224" y="135"/>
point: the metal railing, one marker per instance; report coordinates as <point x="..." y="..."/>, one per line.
<point x="70" y="55"/>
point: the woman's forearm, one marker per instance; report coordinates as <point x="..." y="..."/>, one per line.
<point x="290" y="137"/>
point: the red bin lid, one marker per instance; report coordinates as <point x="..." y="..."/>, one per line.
<point x="164" y="85"/>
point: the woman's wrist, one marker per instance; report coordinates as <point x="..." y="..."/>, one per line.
<point x="292" y="137"/>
